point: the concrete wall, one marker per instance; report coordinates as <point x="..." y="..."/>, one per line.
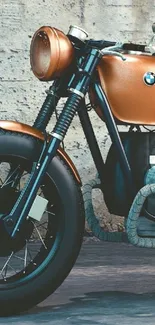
<point x="21" y="94"/>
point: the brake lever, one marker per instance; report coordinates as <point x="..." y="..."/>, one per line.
<point x="112" y="50"/>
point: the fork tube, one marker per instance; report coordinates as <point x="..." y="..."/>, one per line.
<point x="92" y="142"/>
<point x="48" y="107"/>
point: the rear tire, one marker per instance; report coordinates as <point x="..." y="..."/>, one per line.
<point x="22" y="292"/>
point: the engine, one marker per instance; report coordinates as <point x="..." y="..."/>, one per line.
<point x="140" y="151"/>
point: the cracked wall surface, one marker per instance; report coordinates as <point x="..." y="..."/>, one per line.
<point x="21" y="94"/>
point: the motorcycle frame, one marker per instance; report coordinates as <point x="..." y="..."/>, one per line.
<point x="114" y="135"/>
<point x="75" y="103"/>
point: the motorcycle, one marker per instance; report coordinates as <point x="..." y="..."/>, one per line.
<point x="41" y="203"/>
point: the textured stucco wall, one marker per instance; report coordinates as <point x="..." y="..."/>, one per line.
<point x="21" y="94"/>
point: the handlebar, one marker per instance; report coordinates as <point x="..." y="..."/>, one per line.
<point x="80" y="37"/>
<point x="134" y="47"/>
<point x="101" y="44"/>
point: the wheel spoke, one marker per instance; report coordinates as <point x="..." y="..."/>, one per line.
<point x="42" y="225"/>
<point x="6" y="182"/>
<point x="18" y="257"/>
<point x="53" y="214"/>
<point x="39" y="235"/>
<point x="6" y="263"/>
<point x="1" y="181"/>
<point x="12" y="268"/>
<point x="3" y="277"/>
<point x="31" y="258"/>
<point x="5" y="271"/>
<point x="25" y="257"/>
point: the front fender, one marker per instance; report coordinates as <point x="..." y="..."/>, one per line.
<point x="27" y="129"/>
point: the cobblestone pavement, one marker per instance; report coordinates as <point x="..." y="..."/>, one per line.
<point x="111" y="283"/>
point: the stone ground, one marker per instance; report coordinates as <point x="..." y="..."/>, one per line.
<point x="111" y="283"/>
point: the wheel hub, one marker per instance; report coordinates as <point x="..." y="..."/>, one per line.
<point x="8" y="197"/>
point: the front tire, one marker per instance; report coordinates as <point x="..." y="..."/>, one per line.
<point x="59" y="250"/>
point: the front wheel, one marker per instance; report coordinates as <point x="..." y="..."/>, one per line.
<point x="44" y="252"/>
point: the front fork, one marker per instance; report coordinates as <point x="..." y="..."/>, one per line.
<point x="78" y="89"/>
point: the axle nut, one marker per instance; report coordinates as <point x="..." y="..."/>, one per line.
<point x="9" y="222"/>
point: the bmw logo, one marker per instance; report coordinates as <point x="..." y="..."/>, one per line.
<point x="149" y="78"/>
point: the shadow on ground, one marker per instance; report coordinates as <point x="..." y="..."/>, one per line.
<point x="94" y="308"/>
<point x="110" y="284"/>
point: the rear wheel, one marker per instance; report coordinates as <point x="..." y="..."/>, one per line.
<point x="36" y="263"/>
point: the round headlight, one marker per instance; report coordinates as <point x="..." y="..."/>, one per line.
<point x="51" y="53"/>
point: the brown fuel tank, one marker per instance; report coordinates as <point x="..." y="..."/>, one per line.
<point x="130" y="98"/>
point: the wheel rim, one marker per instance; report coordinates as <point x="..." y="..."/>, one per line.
<point x="43" y="242"/>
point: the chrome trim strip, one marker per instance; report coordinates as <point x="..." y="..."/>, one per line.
<point x="75" y="91"/>
<point x="57" y="136"/>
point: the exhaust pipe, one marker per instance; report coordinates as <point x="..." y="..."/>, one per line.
<point x="132" y="220"/>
